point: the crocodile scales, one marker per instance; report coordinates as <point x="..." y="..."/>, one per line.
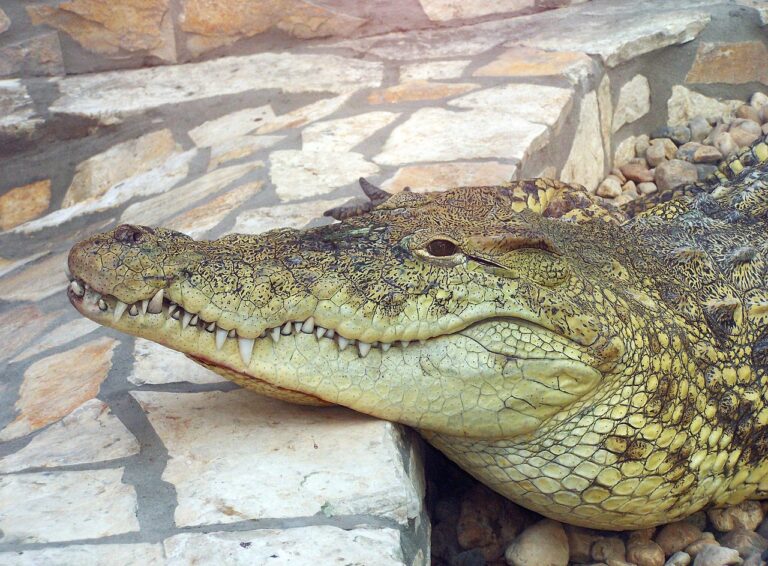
<point x="602" y="370"/>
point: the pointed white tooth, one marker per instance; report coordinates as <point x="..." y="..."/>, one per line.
<point x="364" y="348"/>
<point x="246" y="349"/>
<point x="195" y="320"/>
<point x="77" y="289"/>
<point x="120" y="307"/>
<point x="144" y="305"/>
<point x="385" y="346"/>
<point x="102" y="304"/>
<point x="404" y="343"/>
<point x="263" y="334"/>
<point x="319" y="332"/>
<point x="133" y="311"/>
<point x="185" y="320"/>
<point x="172" y="308"/>
<point x="221" y="336"/>
<point x="275" y="333"/>
<point x="329" y="333"/>
<point x="155" y="306"/>
<point x="211" y="327"/>
<point x="177" y="314"/>
<point x="286" y="329"/>
<point x="343" y="342"/>
<point x="297" y="326"/>
<point x="232" y="333"/>
<point x="309" y="325"/>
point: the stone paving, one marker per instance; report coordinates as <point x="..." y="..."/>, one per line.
<point x="116" y="450"/>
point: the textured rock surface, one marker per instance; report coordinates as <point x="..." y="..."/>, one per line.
<point x="418" y="90"/>
<point x="155" y="364"/>
<point x="732" y="63"/>
<point x="586" y="160"/>
<point x="36" y="281"/>
<point x="634" y="102"/>
<point x="21" y="204"/>
<point x="37" y="55"/>
<point x="446" y="175"/>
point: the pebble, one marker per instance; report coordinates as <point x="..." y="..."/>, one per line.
<point x="764" y="114"/>
<point x="744" y="132"/>
<point x="747" y="515"/>
<point x="744" y="541"/>
<point x="641" y="145"/>
<point x="609" y="548"/>
<point x="580" y="542"/>
<point x="616" y="172"/>
<point x="716" y="131"/>
<point x="711" y="555"/>
<point x="748" y="112"/>
<point x="610" y="187"/>
<point x="647" y="188"/>
<point x="675" y="173"/>
<point x="707" y="538"/>
<point x="678" y="134"/>
<point x="724" y="143"/>
<point x="758" y="100"/>
<point x="700" y="128"/>
<point x="764" y="128"/>
<point x="698" y="519"/>
<point x="637" y="172"/>
<point x="655" y="154"/>
<point x="630" y="188"/>
<point x="699" y="153"/>
<point x="645" y="553"/>
<point x="543" y="544"/>
<point x="703" y="170"/>
<point x="487" y="522"/>
<point x="679" y="558"/>
<point x="676" y="536"/>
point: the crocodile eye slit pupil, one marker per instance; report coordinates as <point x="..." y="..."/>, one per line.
<point x="441" y="248"/>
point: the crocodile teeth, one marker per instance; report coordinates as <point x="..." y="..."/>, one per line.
<point x="120" y="307"/>
<point x="185" y="320"/>
<point x="245" y="345"/>
<point x="286" y="329"/>
<point x="221" y="336"/>
<point x="404" y="343"/>
<point x="211" y="327"/>
<point x="297" y="326"/>
<point x="172" y="308"/>
<point x="144" y="306"/>
<point x="329" y="333"/>
<point x="155" y="306"/>
<point x="77" y="289"/>
<point x="308" y="326"/>
<point x="343" y="343"/>
<point x="319" y="332"/>
<point x="133" y="311"/>
<point x="275" y="334"/>
<point x="102" y="304"/>
<point x="177" y="314"/>
<point x="195" y="320"/>
<point x="232" y="333"/>
<point x="386" y="346"/>
<point x="364" y="348"/>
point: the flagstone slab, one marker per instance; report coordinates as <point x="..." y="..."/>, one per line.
<point x="238" y="148"/>
<point x="634" y="102"/>
<point x="32" y="56"/>
<point x="443" y="176"/>
<point x="522" y="61"/>
<point x="61" y="506"/>
<point x="302" y="545"/>
<point x="586" y="161"/>
<point x="22" y="326"/>
<point x="24" y="203"/>
<point x="233" y="125"/>
<point x="91" y="554"/>
<point x="236" y="456"/>
<point x="445" y="10"/>
<point x="154" y="364"/>
<point x="434" y="70"/>
<point x="304" y="115"/>
<point x="90" y="433"/>
<point x="17" y="109"/>
<point x="37" y="281"/>
<point x="418" y="90"/>
<point x="345" y="133"/>
<point x="294" y="215"/>
<point x="62" y="334"/>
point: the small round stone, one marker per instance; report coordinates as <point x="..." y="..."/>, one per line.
<point x="700" y="128"/>
<point x="711" y="555"/>
<point x="695" y="547"/>
<point x="609" y="548"/>
<point x="610" y="187"/>
<point x="641" y="145"/>
<point x="616" y="172"/>
<point x="675" y="173"/>
<point x="747" y="515"/>
<point x="580" y="542"/>
<point x="744" y="132"/>
<point x="645" y="553"/>
<point x="678" y="134"/>
<point x="758" y="100"/>
<point x="543" y="544"/>
<point x="637" y="172"/>
<point x="679" y="559"/>
<point x="725" y="144"/>
<point x="748" y="112"/>
<point x="655" y="154"/>
<point x="746" y="542"/>
<point x="676" y="536"/>
<point x="647" y="188"/>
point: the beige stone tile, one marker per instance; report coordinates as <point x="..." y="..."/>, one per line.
<point x="24" y="203"/>
<point x="61" y="506"/>
<point x="522" y="61"/>
<point x="434" y="70"/>
<point x="304" y="115"/>
<point x="90" y="433"/>
<point x="302" y="545"/>
<point x="685" y="104"/>
<point x="58" y="336"/>
<point x="442" y="176"/>
<point x="634" y="102"/>
<point x="295" y="215"/>
<point x="234" y="125"/>
<point x="96" y="175"/>
<point x="219" y="442"/>
<point x="237" y="148"/>
<point x="418" y="90"/>
<point x="586" y="161"/>
<point x="21" y="326"/>
<point x="345" y="133"/>
<point x="155" y="364"/>
<point x="130" y="91"/>
<point x="435" y="134"/>
<point x="444" y="10"/>
<point x="301" y="174"/>
<point x="730" y="63"/>
<point x="91" y="554"/>
<point x="32" y="56"/>
<point x="10" y="265"/>
<point x="37" y="281"/>
<point x="156" y="210"/>
<point x="54" y="386"/>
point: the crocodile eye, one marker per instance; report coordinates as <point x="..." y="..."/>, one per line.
<point x="441" y="248"/>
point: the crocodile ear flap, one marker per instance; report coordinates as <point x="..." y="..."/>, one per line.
<point x="358" y="206"/>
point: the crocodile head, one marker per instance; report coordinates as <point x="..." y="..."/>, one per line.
<point x="463" y="313"/>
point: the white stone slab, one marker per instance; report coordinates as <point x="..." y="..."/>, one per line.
<point x="301" y="174"/>
<point x="155" y="364"/>
<point x="634" y="102"/>
<point x="91" y="433"/>
<point x="302" y="545"/>
<point x="16" y="107"/>
<point x="61" y="506"/>
<point x="131" y="91"/>
<point x="59" y="336"/>
<point x="230" y="126"/>
<point x="237" y="148"/>
<point x="444" y="10"/>
<point x="153" y="211"/>
<point x="87" y="554"/>
<point x="304" y="114"/>
<point x="294" y="215"/>
<point x="434" y="70"/>
<point x="435" y="134"/>
<point x="345" y="133"/>
<point x="236" y="456"/>
<point x="586" y="160"/>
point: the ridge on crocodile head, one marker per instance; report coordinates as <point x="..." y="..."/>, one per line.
<point x="538" y="342"/>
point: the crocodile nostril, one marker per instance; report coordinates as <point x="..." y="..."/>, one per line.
<point x="128" y="234"/>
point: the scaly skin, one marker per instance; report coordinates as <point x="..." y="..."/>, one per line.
<point x="603" y="373"/>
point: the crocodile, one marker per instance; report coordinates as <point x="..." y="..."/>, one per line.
<point x="602" y="368"/>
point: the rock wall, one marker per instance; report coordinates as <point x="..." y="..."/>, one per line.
<point x="77" y="36"/>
